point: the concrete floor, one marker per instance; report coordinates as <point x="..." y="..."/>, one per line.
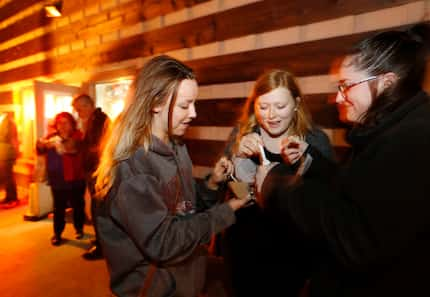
<point x="30" y="266"/>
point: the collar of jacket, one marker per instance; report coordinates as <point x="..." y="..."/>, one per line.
<point x="359" y="136"/>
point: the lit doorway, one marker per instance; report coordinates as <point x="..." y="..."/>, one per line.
<point x="50" y="99"/>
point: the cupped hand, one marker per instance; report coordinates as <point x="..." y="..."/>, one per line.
<point x="249" y="145"/>
<point x="292" y="149"/>
<point x="222" y="170"/>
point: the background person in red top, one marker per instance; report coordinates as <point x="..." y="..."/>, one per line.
<point x="65" y="173"/>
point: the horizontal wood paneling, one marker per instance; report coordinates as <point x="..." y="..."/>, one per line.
<point x="25" y="25"/>
<point x="6" y="97"/>
<point x="223" y="44"/>
<point x="249" y="19"/>
<point x="309" y="58"/>
<point x="205" y="152"/>
<point x="323" y="113"/>
<point x="226" y="112"/>
<point x="125" y="15"/>
<point x="13" y="7"/>
<point x="277" y="14"/>
<point x="215" y="112"/>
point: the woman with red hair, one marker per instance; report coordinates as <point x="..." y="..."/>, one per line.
<point x="65" y="173"/>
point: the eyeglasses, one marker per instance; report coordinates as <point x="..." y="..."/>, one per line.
<point x="343" y="88"/>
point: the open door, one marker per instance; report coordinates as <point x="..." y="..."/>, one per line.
<point x="50" y="99"/>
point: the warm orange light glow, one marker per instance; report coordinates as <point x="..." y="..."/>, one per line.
<point x="25" y="121"/>
<point x="117" y="108"/>
<point x="28" y="103"/>
<point x="55" y="104"/>
<point x="51" y="11"/>
<point x="110" y="96"/>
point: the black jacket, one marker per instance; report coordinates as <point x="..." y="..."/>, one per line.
<point x="372" y="225"/>
<point x="97" y="125"/>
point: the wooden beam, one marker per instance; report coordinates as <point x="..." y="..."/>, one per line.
<point x="310" y="58"/>
<point x="215" y="112"/>
<point x="24" y="25"/>
<point x="13" y="7"/>
<point x="304" y="59"/>
<point x="6" y="97"/>
<point x="204" y="152"/>
<point x="253" y="18"/>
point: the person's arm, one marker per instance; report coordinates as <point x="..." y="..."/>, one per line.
<point x="313" y="156"/>
<point x="140" y="207"/>
<point x="374" y="210"/>
<point x="45" y="143"/>
<point x="321" y="151"/>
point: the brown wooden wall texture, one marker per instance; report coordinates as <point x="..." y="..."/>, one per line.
<point x="228" y="43"/>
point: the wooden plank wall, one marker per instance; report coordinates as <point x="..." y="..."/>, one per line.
<point x="228" y="42"/>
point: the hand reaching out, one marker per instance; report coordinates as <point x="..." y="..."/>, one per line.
<point x="222" y="170"/>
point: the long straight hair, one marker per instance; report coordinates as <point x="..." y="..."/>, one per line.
<point x="156" y="83"/>
<point x="268" y="81"/>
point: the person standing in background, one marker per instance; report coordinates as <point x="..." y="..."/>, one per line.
<point x="8" y="154"/>
<point x="65" y="174"/>
<point x="94" y="125"/>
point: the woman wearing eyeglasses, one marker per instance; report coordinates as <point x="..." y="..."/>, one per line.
<point x="373" y="224"/>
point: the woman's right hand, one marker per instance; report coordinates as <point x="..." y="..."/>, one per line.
<point x="292" y="149"/>
<point x="249" y="145"/>
<point x="236" y="203"/>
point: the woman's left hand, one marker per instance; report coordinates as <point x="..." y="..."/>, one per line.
<point x="292" y="149"/>
<point x="222" y="170"/>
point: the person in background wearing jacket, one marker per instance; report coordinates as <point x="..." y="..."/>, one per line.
<point x="8" y="154"/>
<point x="372" y="220"/>
<point x="65" y="173"/>
<point x="274" y="117"/>
<point x="95" y="123"/>
<point x="155" y="218"/>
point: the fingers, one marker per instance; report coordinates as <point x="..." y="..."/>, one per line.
<point x="249" y="145"/>
<point x="292" y="149"/>
<point x="222" y="170"/>
<point x="291" y="155"/>
<point x="236" y="203"/>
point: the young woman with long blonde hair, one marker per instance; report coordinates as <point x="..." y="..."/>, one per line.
<point x="154" y="217"/>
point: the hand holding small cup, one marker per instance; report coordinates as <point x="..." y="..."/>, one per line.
<point x="222" y="170"/>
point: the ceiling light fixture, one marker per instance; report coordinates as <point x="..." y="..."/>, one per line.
<point x="54" y="10"/>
